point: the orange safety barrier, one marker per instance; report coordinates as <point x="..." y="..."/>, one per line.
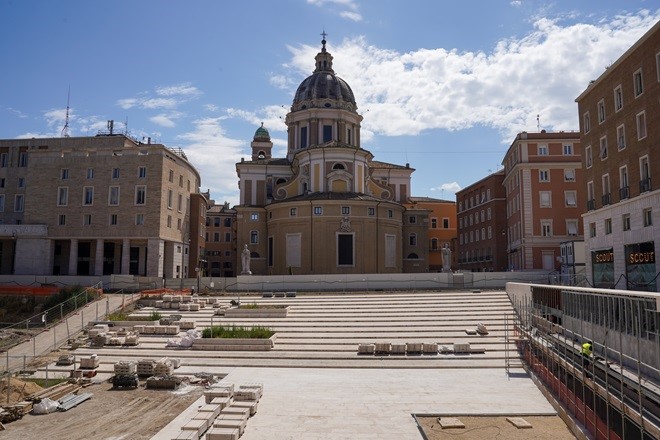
<point x="28" y="291"/>
<point x="158" y="292"/>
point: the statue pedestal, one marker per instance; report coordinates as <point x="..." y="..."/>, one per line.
<point x="246" y="272"/>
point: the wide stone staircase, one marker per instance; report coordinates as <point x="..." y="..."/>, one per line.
<point x="325" y="330"/>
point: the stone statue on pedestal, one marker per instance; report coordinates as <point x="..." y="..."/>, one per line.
<point x="446" y="259"/>
<point x="245" y="261"/>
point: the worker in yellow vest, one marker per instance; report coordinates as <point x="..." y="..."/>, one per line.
<point x="587" y="349"/>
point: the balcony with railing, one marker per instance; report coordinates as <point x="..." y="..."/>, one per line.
<point x="591" y="205"/>
<point x="624" y="193"/>
<point x="606" y="199"/>
<point x="645" y="185"/>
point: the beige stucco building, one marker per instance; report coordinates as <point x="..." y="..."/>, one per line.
<point x="98" y="205"/>
<point x="327" y="207"/>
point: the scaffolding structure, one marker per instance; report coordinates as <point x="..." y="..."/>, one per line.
<point x="614" y="394"/>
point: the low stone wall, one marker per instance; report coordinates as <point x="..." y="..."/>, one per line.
<point x="235" y="312"/>
<point x="234" y="344"/>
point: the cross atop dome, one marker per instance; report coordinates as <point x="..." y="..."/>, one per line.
<point x="323" y="58"/>
<point x="323" y="34"/>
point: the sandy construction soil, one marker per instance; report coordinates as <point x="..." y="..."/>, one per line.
<point x="110" y="414"/>
<point x="497" y="427"/>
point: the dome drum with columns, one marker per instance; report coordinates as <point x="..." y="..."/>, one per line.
<point x="327" y="207"/>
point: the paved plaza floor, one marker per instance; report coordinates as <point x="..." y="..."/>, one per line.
<point x="361" y="404"/>
<point x="315" y="384"/>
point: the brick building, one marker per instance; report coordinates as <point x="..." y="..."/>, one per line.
<point x="221" y="246"/>
<point x="482" y="225"/>
<point x="619" y="115"/>
<point x="544" y="198"/>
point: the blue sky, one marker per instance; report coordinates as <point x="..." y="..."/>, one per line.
<point x="442" y="85"/>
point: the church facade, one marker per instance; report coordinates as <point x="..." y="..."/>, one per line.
<point x="327" y="207"/>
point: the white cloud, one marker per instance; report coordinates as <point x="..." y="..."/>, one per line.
<point x="214" y="155"/>
<point x="56" y="117"/>
<point x="17" y="113"/>
<point x="211" y="107"/>
<point x="272" y="116"/>
<point x="186" y="89"/>
<point x="167" y="97"/>
<point x="165" y="120"/>
<point x="516" y="3"/>
<point x="127" y="103"/>
<point x="452" y="187"/>
<point x="90" y="125"/>
<point x="31" y="135"/>
<point x="348" y="8"/>
<point x="504" y="88"/>
<point x="152" y="103"/>
<point x="281" y="81"/>
<point x="353" y="16"/>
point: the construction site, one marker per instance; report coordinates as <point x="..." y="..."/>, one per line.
<point x="428" y="364"/>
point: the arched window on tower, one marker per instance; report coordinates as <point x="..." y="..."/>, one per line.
<point x="338" y="166"/>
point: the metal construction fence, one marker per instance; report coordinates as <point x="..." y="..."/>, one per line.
<point x="17" y="332"/>
<point x="26" y="341"/>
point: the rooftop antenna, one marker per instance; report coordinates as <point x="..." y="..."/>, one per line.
<point x="65" y="130"/>
<point x="126" y="127"/>
<point x="538" y="123"/>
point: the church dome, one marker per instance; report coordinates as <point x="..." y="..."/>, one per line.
<point x="262" y="134"/>
<point x="323" y="89"/>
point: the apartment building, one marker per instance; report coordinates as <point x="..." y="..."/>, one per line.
<point x="97" y="205"/>
<point x="619" y="128"/>
<point x="482" y="225"/>
<point x="441" y="229"/>
<point x="221" y="244"/>
<point x="545" y="200"/>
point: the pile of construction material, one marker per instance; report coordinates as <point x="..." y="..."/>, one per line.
<point x="163" y="382"/>
<point x="417" y="348"/>
<point x="100" y="335"/>
<point x="125" y="367"/>
<point x="87" y="367"/>
<point x="225" y="414"/>
<point x="161" y="367"/>
<point x="185" y="341"/>
<point x="408" y="348"/>
<point x="461" y="348"/>
<point x="186" y="324"/>
<point x="221" y="308"/>
<point x="90" y="363"/>
<point x="157" y="329"/>
<point x="187" y="303"/>
<point x="14" y="412"/>
<point x="125" y="375"/>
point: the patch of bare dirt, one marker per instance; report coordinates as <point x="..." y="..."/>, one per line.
<point x="125" y="414"/>
<point x="18" y="390"/>
<point x="497" y="428"/>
